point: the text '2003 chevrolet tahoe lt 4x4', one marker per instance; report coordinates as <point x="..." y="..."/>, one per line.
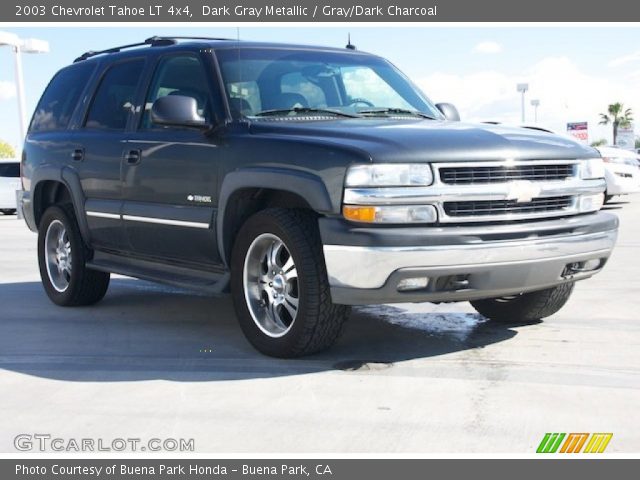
<point x="303" y="180"/>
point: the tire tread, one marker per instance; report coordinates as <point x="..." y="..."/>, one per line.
<point x="324" y="320"/>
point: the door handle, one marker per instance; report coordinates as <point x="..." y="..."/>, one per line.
<point x="133" y="157"/>
<point x="78" y="154"/>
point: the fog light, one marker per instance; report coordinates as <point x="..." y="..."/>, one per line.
<point x="591" y="203"/>
<point x="415" y="283"/>
<point x="591" y="265"/>
<point x="582" y="267"/>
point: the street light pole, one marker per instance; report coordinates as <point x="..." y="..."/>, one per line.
<point x="522" y="88"/>
<point x="20" y="46"/>
<point x="535" y="103"/>
<point x="22" y="117"/>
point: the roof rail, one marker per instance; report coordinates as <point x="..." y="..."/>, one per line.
<point x="152" y="41"/>
<point x="195" y="38"/>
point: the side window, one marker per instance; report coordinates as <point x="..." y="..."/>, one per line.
<point x="296" y="86"/>
<point x="10" y="169"/>
<point x="114" y="99"/>
<point x="59" y="100"/>
<point x="179" y="75"/>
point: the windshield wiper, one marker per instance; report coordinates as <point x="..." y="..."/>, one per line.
<point x="395" y="111"/>
<point x="297" y="110"/>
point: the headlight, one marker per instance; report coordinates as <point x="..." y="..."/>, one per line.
<point x="591" y="168"/>
<point x="390" y="175"/>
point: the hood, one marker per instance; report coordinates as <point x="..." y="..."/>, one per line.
<point x="410" y="140"/>
<point x="616" y="152"/>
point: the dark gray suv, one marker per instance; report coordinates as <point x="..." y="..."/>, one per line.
<point x="302" y="180"/>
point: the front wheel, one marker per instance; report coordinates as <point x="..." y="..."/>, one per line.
<point x="525" y="307"/>
<point x="279" y="285"/>
<point x="62" y="257"/>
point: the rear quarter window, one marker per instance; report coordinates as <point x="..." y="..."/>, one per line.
<point x="60" y="98"/>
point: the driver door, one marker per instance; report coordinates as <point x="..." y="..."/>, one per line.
<point x="170" y="174"/>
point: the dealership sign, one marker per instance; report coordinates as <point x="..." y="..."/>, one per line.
<point x="626" y="138"/>
<point x="579" y="131"/>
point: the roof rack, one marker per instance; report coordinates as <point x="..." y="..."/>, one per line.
<point x="195" y="38"/>
<point x="151" y="41"/>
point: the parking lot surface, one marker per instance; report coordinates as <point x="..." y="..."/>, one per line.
<point x="155" y="362"/>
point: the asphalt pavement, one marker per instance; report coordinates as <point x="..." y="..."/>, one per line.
<point x="156" y="362"/>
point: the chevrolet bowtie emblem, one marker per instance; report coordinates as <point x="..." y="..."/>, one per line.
<point x="523" y="191"/>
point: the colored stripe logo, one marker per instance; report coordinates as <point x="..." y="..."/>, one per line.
<point x="574" y="443"/>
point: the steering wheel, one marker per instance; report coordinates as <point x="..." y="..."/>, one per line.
<point x="361" y="100"/>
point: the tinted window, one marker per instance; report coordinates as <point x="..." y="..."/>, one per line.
<point x="9" y="169"/>
<point x="179" y="75"/>
<point x="114" y="99"/>
<point x="60" y="98"/>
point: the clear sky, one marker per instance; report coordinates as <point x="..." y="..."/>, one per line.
<point x="575" y="72"/>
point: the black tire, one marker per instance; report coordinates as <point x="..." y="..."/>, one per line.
<point x="85" y="286"/>
<point x="8" y="211"/>
<point x="318" y="322"/>
<point x="526" y="307"/>
<point x="607" y="198"/>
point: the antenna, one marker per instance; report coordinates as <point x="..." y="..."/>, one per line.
<point x="349" y="45"/>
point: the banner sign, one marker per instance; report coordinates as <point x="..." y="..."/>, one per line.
<point x="579" y="131"/>
<point x="626" y="138"/>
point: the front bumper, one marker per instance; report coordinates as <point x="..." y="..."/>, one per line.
<point x="365" y="265"/>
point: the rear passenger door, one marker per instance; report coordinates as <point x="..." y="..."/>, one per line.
<point x="170" y="174"/>
<point x="98" y="150"/>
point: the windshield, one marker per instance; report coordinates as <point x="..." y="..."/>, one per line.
<point x="262" y="82"/>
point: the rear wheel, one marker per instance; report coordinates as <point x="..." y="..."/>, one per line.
<point x="8" y="211"/>
<point x="607" y="198"/>
<point x="526" y="307"/>
<point x="279" y="285"/>
<point x="62" y="257"/>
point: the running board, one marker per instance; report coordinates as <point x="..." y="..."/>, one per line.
<point x="211" y="283"/>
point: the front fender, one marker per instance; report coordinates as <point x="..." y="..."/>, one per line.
<point x="306" y="185"/>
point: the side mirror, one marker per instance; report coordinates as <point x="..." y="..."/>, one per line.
<point x="177" y="111"/>
<point x="449" y="111"/>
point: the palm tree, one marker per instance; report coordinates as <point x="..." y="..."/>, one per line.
<point x="618" y="117"/>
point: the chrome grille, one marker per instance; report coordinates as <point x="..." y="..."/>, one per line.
<point x="488" y="191"/>
<point x="506" y="207"/>
<point x="469" y="175"/>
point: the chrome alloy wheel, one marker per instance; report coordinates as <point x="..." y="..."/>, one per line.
<point x="58" y="255"/>
<point x="270" y="282"/>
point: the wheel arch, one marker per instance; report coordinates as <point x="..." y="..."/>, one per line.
<point x="247" y="191"/>
<point x="53" y="187"/>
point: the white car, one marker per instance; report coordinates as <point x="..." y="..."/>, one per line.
<point x="9" y="183"/>
<point x="621" y="171"/>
